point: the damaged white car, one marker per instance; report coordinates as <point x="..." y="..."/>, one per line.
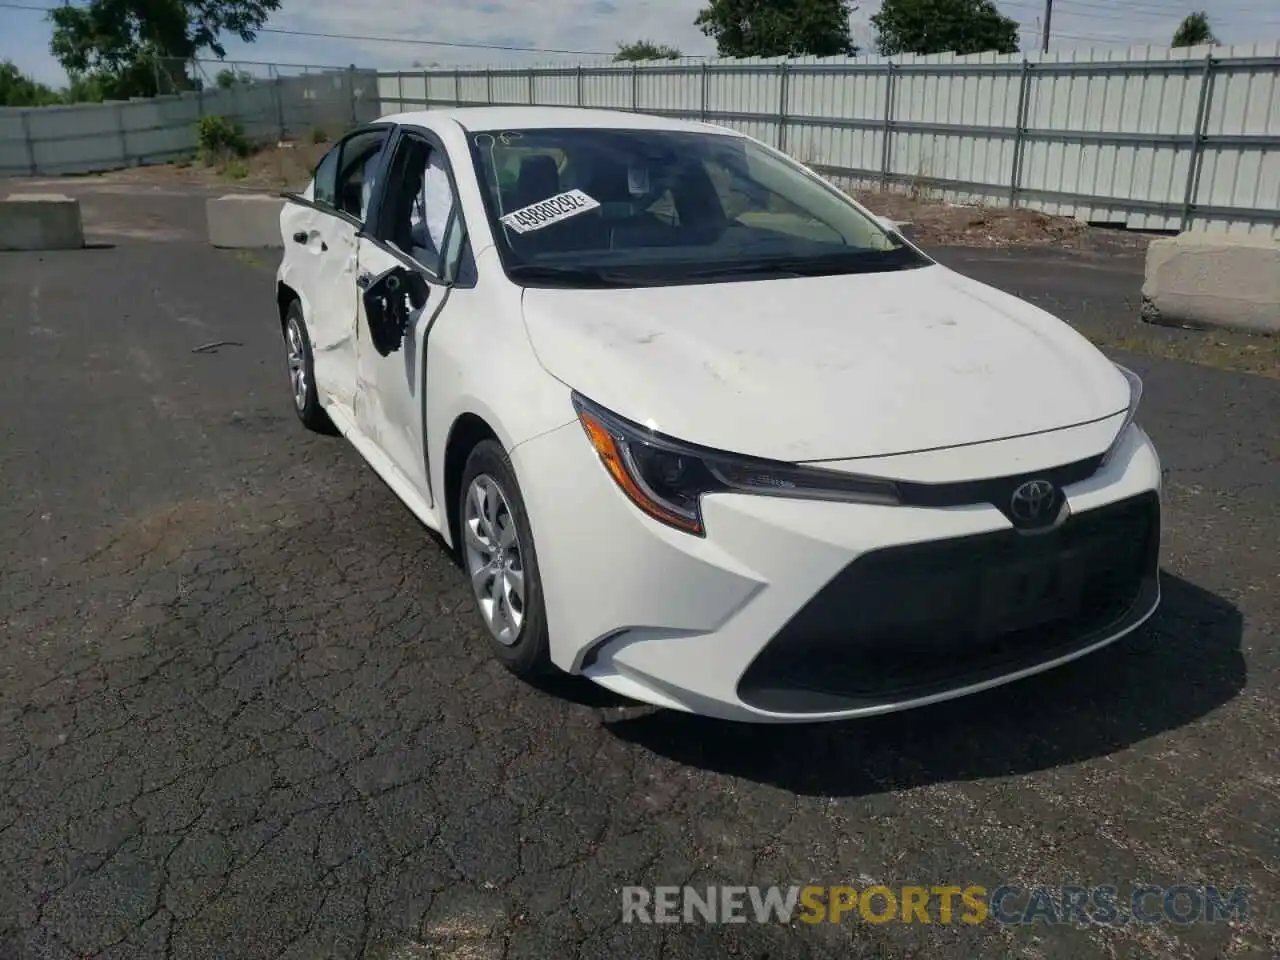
<point x="702" y="428"/>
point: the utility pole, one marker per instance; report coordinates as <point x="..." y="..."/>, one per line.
<point x="1048" y="15"/>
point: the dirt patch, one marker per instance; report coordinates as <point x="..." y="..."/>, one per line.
<point x="1226" y="350"/>
<point x="935" y="223"/>
<point x="286" y="165"/>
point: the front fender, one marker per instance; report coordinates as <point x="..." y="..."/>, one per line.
<point x="480" y="362"/>
<point x="287" y="276"/>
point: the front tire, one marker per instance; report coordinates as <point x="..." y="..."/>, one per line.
<point x="497" y="551"/>
<point x="302" y="372"/>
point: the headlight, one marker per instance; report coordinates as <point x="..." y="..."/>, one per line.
<point x="666" y="478"/>
<point x="1135" y="397"/>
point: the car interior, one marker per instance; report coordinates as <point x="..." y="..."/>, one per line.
<point x="657" y="203"/>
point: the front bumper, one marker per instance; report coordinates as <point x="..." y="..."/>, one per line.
<point x="796" y="610"/>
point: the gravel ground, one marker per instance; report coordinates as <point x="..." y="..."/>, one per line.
<point x="245" y="710"/>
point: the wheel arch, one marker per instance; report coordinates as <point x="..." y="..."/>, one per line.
<point x="467" y="431"/>
<point x="286" y="295"/>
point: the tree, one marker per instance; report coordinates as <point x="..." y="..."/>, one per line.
<point x="778" y="28"/>
<point x="138" y="47"/>
<point x="645" y="50"/>
<point x="19" y="90"/>
<point x="943" y="26"/>
<point x="228" y="78"/>
<point x="85" y="89"/>
<point x="1194" y="31"/>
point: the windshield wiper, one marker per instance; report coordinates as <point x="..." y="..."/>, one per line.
<point x="568" y="276"/>
<point x="863" y="261"/>
<point x="665" y="274"/>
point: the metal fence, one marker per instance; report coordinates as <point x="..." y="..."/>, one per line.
<point x="1149" y="138"/>
<point x="270" y="101"/>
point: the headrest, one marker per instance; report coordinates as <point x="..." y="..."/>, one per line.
<point x="539" y="178"/>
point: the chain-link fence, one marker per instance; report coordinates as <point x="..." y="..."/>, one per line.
<point x="269" y="101"/>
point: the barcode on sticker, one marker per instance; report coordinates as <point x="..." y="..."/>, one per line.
<point x="551" y="210"/>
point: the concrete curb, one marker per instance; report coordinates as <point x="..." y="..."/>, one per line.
<point x="40" y="221"/>
<point x="244" y="221"/>
<point x="1213" y="281"/>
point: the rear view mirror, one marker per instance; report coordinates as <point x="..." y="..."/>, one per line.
<point x="389" y="299"/>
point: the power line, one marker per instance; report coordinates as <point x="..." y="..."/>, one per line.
<point x="1106" y="11"/>
<point x="374" y="39"/>
<point x="1096" y="37"/>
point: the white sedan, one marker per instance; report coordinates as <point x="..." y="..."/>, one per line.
<point x="702" y="428"/>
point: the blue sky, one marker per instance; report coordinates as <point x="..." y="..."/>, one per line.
<point x="598" y="25"/>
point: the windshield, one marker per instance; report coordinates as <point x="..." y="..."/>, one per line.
<point x="595" y="207"/>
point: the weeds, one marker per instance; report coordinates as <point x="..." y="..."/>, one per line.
<point x="218" y="136"/>
<point x="235" y="169"/>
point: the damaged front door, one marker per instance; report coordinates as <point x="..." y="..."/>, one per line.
<point x="341" y="194"/>
<point x="407" y="259"/>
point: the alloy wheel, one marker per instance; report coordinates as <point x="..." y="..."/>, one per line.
<point x="297" y="358"/>
<point x="491" y="544"/>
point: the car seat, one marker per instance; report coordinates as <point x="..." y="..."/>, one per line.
<point x="539" y="178"/>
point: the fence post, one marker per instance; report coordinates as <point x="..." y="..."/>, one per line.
<point x="579" y="84"/>
<point x="124" y="136"/>
<point x="1197" y="143"/>
<point x="531" y="99"/>
<point x="704" y="108"/>
<point x="351" y="92"/>
<point x="279" y="89"/>
<point x="457" y="88"/>
<point x="25" y="118"/>
<point x="783" y="78"/>
<point x="635" y="88"/>
<point x="888" y="127"/>
<point x="1019" y="136"/>
<point x="488" y="85"/>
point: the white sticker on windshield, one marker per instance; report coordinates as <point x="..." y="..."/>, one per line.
<point x="551" y="210"/>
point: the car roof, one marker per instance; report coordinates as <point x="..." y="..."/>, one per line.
<point x="535" y="118"/>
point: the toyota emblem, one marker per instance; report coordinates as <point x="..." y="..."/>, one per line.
<point x="1034" y="503"/>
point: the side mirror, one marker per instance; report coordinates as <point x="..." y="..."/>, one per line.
<point x="403" y="282"/>
<point x="389" y="299"/>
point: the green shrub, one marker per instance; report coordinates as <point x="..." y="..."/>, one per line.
<point x="319" y="135"/>
<point x="217" y="136"/>
<point x="235" y="170"/>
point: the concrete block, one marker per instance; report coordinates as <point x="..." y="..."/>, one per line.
<point x="40" y="221"/>
<point x="1213" y="280"/>
<point x="244" y="221"/>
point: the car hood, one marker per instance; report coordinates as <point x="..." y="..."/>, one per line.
<point x="796" y="369"/>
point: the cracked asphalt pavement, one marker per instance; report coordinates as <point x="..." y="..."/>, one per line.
<point x="246" y="709"/>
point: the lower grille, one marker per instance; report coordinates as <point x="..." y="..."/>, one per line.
<point x="915" y="620"/>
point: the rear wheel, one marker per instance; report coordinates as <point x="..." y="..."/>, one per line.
<point x="302" y="375"/>
<point x="498" y="553"/>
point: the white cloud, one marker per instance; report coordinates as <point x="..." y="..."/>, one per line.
<point x="600" y="25"/>
<point x="589" y="25"/>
